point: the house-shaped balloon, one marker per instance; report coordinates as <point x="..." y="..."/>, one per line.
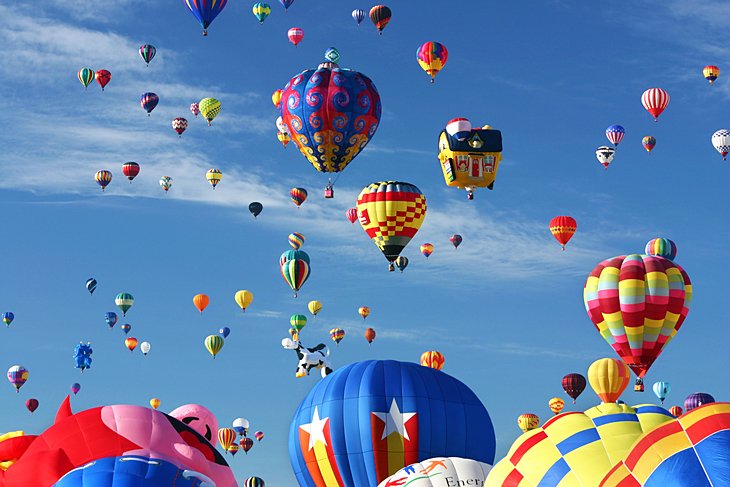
<point x="472" y="162"/>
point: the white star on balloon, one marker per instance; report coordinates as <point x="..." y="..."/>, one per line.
<point x="315" y="429"/>
<point x="395" y="421"/>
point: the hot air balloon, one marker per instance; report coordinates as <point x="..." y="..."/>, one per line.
<point x="124" y="301"/>
<point x="556" y="405"/>
<point x="294" y="266"/>
<point x="75" y="388"/>
<point x="286" y="4"/>
<point x="605" y="155"/>
<point x="103" y="77"/>
<point x="226" y="437"/>
<point x="332" y="55"/>
<point x="233" y="449"/>
<point x="404" y="413"/>
<point x="261" y="11"/>
<point x="126" y="328"/>
<point x="314" y="307"/>
<point x="205" y="11"/>
<point x="455" y="240"/>
<point x="696" y="400"/>
<point x="194" y="109"/>
<point x="130" y="169"/>
<point x="330" y="114"/>
<point x="31" y="405"/>
<point x="283" y="138"/>
<point x="459" y="128"/>
<point x="91" y="285"/>
<point x="433" y="359"/>
<point x="427" y="249"/>
<point x="298" y="322"/>
<point x="147" y="52"/>
<point x="432" y="58"/>
<point x="103" y="178"/>
<point x="381" y="204"/>
<point x="721" y="142"/>
<point x="149" y="101"/>
<point x="155" y="403"/>
<point x="351" y="214"/>
<point x="676" y="411"/>
<point x="638" y="303"/>
<point x="662" y="247"/>
<point x="563" y="228"/>
<point x="166" y="183"/>
<point x="224" y="332"/>
<point x="86" y="76"/>
<point x="615" y="134"/>
<point x="131" y="343"/>
<point x="8" y="317"/>
<point x="243" y="299"/>
<point x="440" y="471"/>
<point x="649" y="143"/>
<point x="213" y="343"/>
<point x="573" y="385"/>
<point x="259" y="435"/>
<point x="684" y="452"/>
<point x="401" y="263"/>
<point x="17" y="376"/>
<point x="276" y="99"/>
<point x="655" y="100"/>
<point x="337" y="334"/>
<point x="358" y="15"/>
<point x="246" y="444"/>
<point x="201" y="302"/>
<point x="528" y="421"/>
<point x="608" y="378"/>
<point x="111" y="319"/>
<point x="296" y="240"/>
<point x="380" y="16"/>
<point x="210" y="108"/>
<point x="214" y="177"/>
<point x="363" y="311"/>
<point x="595" y="440"/>
<point x="370" y="335"/>
<point x="82" y="356"/>
<point x="240" y="426"/>
<point x="255" y="208"/>
<point x="661" y="390"/>
<point x="711" y="73"/>
<point x="295" y="35"/>
<point x="179" y="125"/>
<point x="298" y="196"/>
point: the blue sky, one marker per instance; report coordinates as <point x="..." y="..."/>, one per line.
<point x="505" y="308"/>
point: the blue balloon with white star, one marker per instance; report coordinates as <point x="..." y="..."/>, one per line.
<point x="367" y="420"/>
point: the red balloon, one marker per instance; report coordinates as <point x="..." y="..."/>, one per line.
<point x="32" y="405"/>
<point x="130" y="169"/>
<point x="246" y="444"/>
<point x="563" y="228"/>
<point x="655" y="100"/>
<point x="103" y="77"/>
<point x="574" y="385"/>
<point x="295" y="35"/>
<point x="351" y="214"/>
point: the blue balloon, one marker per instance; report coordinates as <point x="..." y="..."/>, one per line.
<point x="82" y="356"/>
<point x="205" y="11"/>
<point x="8" y="317"/>
<point x="91" y="285"/>
<point x="224" y="332"/>
<point x="111" y="319"/>
<point x="286" y="3"/>
<point x="130" y="470"/>
<point x="358" y="15"/>
<point x="661" y="389"/>
<point x="348" y="420"/>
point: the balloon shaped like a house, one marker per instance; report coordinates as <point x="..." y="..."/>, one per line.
<point x="470" y="160"/>
<point x="366" y="421"/>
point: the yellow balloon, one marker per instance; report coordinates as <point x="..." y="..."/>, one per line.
<point x="214" y="343"/>
<point x="244" y="299"/>
<point x="314" y="307"/>
<point x="528" y="422"/>
<point x="210" y="108"/>
<point x="608" y="378"/>
<point x="155" y="403"/>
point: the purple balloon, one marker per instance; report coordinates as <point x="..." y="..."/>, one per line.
<point x="75" y="387"/>
<point x="696" y="400"/>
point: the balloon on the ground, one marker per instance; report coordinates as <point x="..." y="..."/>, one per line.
<point x="696" y="400"/>
<point x="398" y="413"/>
<point x="609" y="378"/>
<point x="440" y="472"/>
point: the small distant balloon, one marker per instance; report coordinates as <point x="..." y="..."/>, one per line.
<point x="255" y="208"/>
<point x="224" y="332"/>
<point x="103" y="77"/>
<point x="103" y="178"/>
<point x="124" y="302"/>
<point x="363" y="311"/>
<point x="351" y="215"/>
<point x="259" y="435"/>
<point x="8" y="317"/>
<point x="295" y="35"/>
<point x="145" y="348"/>
<point x="711" y="73"/>
<point x="166" y="183"/>
<point x="649" y="143"/>
<point x="261" y="11"/>
<point x="455" y="240"/>
<point x="32" y="405"/>
<point x="655" y="100"/>
<point x="126" y="328"/>
<point x="337" y="334"/>
<point x="111" y="319"/>
<point x="130" y="343"/>
<point x="147" y="52"/>
<point x="243" y="299"/>
<point x="201" y="302"/>
<point x="556" y="405"/>
<point x="155" y="403"/>
<point x="314" y="307"/>
<point x="91" y="285"/>
<point x="615" y="134"/>
<point x="75" y="388"/>
<point x="214" y="177"/>
<point x="149" y="101"/>
<point x="358" y="15"/>
<point x="298" y="196"/>
<point x="17" y="376"/>
<point x="427" y="249"/>
<point x="433" y="359"/>
<point x="696" y="400"/>
<point x="296" y="240"/>
<point x="380" y="16"/>
<point x="179" y="125"/>
<point x="214" y="344"/>
<point x="370" y="335"/>
<point x="528" y="421"/>
<point x="195" y="109"/>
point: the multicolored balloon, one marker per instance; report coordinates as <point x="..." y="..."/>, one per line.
<point x="358" y="15"/>
<point x="209" y="107"/>
<point x="124" y="301"/>
<point x="75" y="388"/>
<point x="17" y="376"/>
<point x="380" y="16"/>
<point x="638" y="303"/>
<point x="721" y="142"/>
<point x="563" y="228"/>
<point x="427" y="249"/>
<point x="655" y="100"/>
<point x="261" y="11"/>
<point x="433" y="359"/>
<point x="401" y="263"/>
<point x="337" y="334"/>
<point x="103" y="178"/>
<point x="528" y="421"/>
<point x="380" y="204"/>
<point x="205" y="11"/>
<point x="246" y="444"/>
<point x="226" y="437"/>
<point x="676" y="411"/>
<point x="296" y="240"/>
<point x="615" y="134"/>
<point x="662" y="247"/>
<point x="179" y="125"/>
<point x="147" y="52"/>
<point x="131" y="343"/>
<point x="149" y="101"/>
<point x="295" y="35"/>
<point x="432" y="57"/>
<point x="8" y="317"/>
<point x="166" y="183"/>
<point x="126" y="328"/>
<point x="103" y="77"/>
<point x="214" y="344"/>
<point x="214" y="177"/>
<point x="86" y="76"/>
<point x="609" y="378"/>
<point x="298" y="196"/>
<point x="111" y="319"/>
<point x="649" y="143"/>
<point x="605" y="155"/>
<point x="332" y="55"/>
<point x="455" y="240"/>
<point x="711" y="73"/>
<point x="259" y="435"/>
<point x="276" y="98"/>
<point x="363" y="311"/>
<point x="574" y="384"/>
<point x="294" y="266"/>
<point x="459" y="128"/>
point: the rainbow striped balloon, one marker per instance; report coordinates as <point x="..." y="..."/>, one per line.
<point x="662" y="247"/>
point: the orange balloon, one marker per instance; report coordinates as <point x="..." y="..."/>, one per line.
<point x="131" y="343"/>
<point x="433" y="359"/>
<point x="201" y="301"/>
<point x="370" y="335"/>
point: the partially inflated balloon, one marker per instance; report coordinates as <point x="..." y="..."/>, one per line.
<point x="210" y="108"/>
<point x="432" y="58"/>
<point x="528" y="421"/>
<point x="205" y="11"/>
<point x="201" y="302"/>
<point x="213" y="343"/>
<point x="433" y="359"/>
<point x="609" y="378"/>
<point x="243" y="299"/>
<point x="563" y="228"/>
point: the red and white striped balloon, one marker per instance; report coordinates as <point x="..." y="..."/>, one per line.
<point x="295" y="35"/>
<point x="655" y="100"/>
